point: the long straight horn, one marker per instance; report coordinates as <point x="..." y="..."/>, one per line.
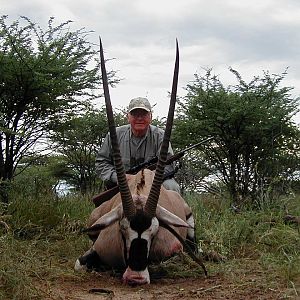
<point x="127" y="202"/>
<point x="151" y="204"/>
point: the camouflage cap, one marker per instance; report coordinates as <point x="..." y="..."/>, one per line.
<point x="139" y="102"/>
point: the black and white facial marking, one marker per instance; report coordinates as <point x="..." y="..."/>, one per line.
<point x="138" y="234"/>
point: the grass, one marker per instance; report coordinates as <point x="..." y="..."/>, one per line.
<point x="41" y="244"/>
<point x="260" y="237"/>
<point x="44" y="240"/>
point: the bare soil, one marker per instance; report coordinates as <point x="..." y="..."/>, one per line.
<point x="97" y="286"/>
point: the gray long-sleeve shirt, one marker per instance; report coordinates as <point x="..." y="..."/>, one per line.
<point x="133" y="151"/>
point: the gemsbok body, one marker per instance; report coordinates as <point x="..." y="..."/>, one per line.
<point x="144" y="222"/>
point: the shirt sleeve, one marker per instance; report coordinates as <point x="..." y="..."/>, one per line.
<point x="105" y="168"/>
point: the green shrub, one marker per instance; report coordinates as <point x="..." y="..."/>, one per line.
<point x="44" y="239"/>
<point x="251" y="234"/>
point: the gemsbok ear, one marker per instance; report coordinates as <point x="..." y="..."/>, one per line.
<point x="169" y="218"/>
<point x="106" y="220"/>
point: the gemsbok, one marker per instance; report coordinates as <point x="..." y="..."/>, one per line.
<point x="144" y="222"/>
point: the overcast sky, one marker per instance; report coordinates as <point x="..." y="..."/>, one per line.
<point x="250" y="36"/>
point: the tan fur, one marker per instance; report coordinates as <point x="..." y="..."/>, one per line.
<point x="109" y="244"/>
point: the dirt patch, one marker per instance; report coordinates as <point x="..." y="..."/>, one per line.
<point x="97" y="286"/>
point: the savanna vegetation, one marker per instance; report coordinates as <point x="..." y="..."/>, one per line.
<point x="243" y="184"/>
<point x="42" y="239"/>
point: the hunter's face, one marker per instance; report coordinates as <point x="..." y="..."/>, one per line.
<point x="139" y="119"/>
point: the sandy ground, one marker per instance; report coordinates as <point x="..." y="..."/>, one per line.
<point x="99" y="286"/>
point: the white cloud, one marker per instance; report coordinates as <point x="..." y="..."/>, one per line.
<point x="250" y="36"/>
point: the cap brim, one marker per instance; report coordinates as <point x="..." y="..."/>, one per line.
<point x="140" y="107"/>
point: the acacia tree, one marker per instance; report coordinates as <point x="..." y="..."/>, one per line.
<point x="77" y="140"/>
<point x="43" y="74"/>
<point x="254" y="138"/>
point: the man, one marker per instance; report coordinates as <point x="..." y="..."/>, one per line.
<point x="139" y="141"/>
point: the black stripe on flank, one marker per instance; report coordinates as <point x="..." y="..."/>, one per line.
<point x="188" y="216"/>
<point x="125" y="249"/>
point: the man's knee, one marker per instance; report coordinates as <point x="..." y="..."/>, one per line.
<point x="171" y="184"/>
